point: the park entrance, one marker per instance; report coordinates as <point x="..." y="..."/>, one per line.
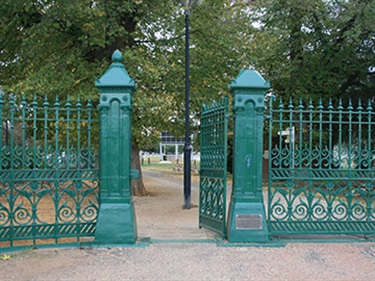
<point x="58" y="185"/>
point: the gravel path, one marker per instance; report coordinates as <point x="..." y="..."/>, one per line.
<point x="179" y="250"/>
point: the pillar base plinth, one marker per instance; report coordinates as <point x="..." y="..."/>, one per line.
<point x="247" y="223"/>
<point x="116" y="224"/>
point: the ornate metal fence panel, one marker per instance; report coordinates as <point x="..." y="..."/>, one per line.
<point x="49" y="180"/>
<point x="322" y="168"/>
<point x="213" y="167"/>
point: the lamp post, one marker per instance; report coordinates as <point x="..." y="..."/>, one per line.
<point x="187" y="4"/>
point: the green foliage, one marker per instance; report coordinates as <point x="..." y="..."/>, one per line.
<point x="59" y="47"/>
<point x="318" y="48"/>
<point x="305" y="48"/>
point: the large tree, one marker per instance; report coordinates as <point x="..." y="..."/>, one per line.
<point x="317" y="48"/>
<point x="60" y="46"/>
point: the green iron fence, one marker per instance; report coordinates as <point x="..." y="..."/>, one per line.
<point x="49" y="176"/>
<point x="213" y="167"/>
<point x="321" y="168"/>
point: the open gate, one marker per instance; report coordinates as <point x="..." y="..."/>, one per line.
<point x="213" y="169"/>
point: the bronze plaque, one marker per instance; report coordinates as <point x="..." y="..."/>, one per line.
<point x="253" y="221"/>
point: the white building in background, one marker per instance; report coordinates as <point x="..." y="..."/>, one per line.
<point x="168" y="140"/>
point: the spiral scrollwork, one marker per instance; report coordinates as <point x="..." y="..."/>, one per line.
<point x="339" y="211"/>
<point x="66" y="213"/>
<point x="301" y="210"/>
<point x="4" y="215"/>
<point x="89" y="213"/>
<point x="21" y="215"/>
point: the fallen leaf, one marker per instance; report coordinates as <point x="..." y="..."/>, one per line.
<point x="5" y="257"/>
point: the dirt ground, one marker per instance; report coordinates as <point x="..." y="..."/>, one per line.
<point x="179" y="250"/>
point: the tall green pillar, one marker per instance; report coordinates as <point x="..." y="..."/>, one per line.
<point x="246" y="217"/>
<point x="116" y="218"/>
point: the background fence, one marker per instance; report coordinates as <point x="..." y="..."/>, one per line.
<point x="49" y="174"/>
<point x="322" y="168"/>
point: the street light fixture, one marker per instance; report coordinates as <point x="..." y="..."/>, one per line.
<point x="187" y="4"/>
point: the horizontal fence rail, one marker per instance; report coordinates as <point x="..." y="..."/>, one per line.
<point x="49" y="174"/>
<point x="321" y="168"/>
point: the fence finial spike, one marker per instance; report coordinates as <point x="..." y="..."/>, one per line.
<point x="45" y="103"/>
<point x="300" y="105"/>
<point x="79" y="104"/>
<point x="330" y="106"/>
<point x="359" y="108"/>
<point x="290" y="106"/>
<point x="369" y="106"/>
<point x="89" y="103"/>
<point x="340" y="105"/>
<point x="23" y="102"/>
<point x="350" y="106"/>
<point x="57" y="104"/>
<point x="320" y="106"/>
<point x="68" y="104"/>
<point x="311" y="106"/>
<point x="35" y="101"/>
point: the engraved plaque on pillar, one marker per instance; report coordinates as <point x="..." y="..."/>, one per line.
<point x="249" y="222"/>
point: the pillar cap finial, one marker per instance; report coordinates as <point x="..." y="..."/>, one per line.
<point x="117" y="56"/>
<point x="249" y="79"/>
<point x="116" y="76"/>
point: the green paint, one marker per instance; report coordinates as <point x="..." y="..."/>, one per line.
<point x="321" y="168"/>
<point x="116" y="220"/>
<point x="213" y="167"/>
<point x="44" y="165"/>
<point x="246" y="218"/>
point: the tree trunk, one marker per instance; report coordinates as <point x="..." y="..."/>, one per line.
<point x="138" y="188"/>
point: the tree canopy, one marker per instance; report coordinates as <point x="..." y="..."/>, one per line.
<point x="316" y="48"/>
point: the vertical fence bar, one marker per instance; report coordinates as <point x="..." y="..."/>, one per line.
<point x="23" y="132"/>
<point x="34" y="106"/>
<point x="89" y="115"/>
<point x="369" y="138"/>
<point x="45" y="134"/>
<point x="68" y="107"/>
<point x="1" y="130"/>
<point x="79" y="148"/>
<point x="56" y="172"/>
<point x="300" y="134"/>
<point x="359" y="122"/>
<point x="270" y="160"/>
<point x="35" y="166"/>
<point x="320" y="120"/>
<point x="350" y="134"/>
<point x="340" y="131"/>
<point x="330" y="135"/>
<point x="12" y="167"/>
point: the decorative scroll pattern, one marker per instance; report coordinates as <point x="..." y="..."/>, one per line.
<point x="322" y="169"/>
<point x="49" y="175"/>
<point x="213" y="168"/>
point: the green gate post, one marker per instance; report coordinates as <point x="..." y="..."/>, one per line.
<point x="246" y="217"/>
<point x="116" y="218"/>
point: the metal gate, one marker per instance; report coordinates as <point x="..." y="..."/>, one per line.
<point x="322" y="168"/>
<point x="213" y="169"/>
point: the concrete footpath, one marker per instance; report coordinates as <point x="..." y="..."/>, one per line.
<point x="179" y="250"/>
